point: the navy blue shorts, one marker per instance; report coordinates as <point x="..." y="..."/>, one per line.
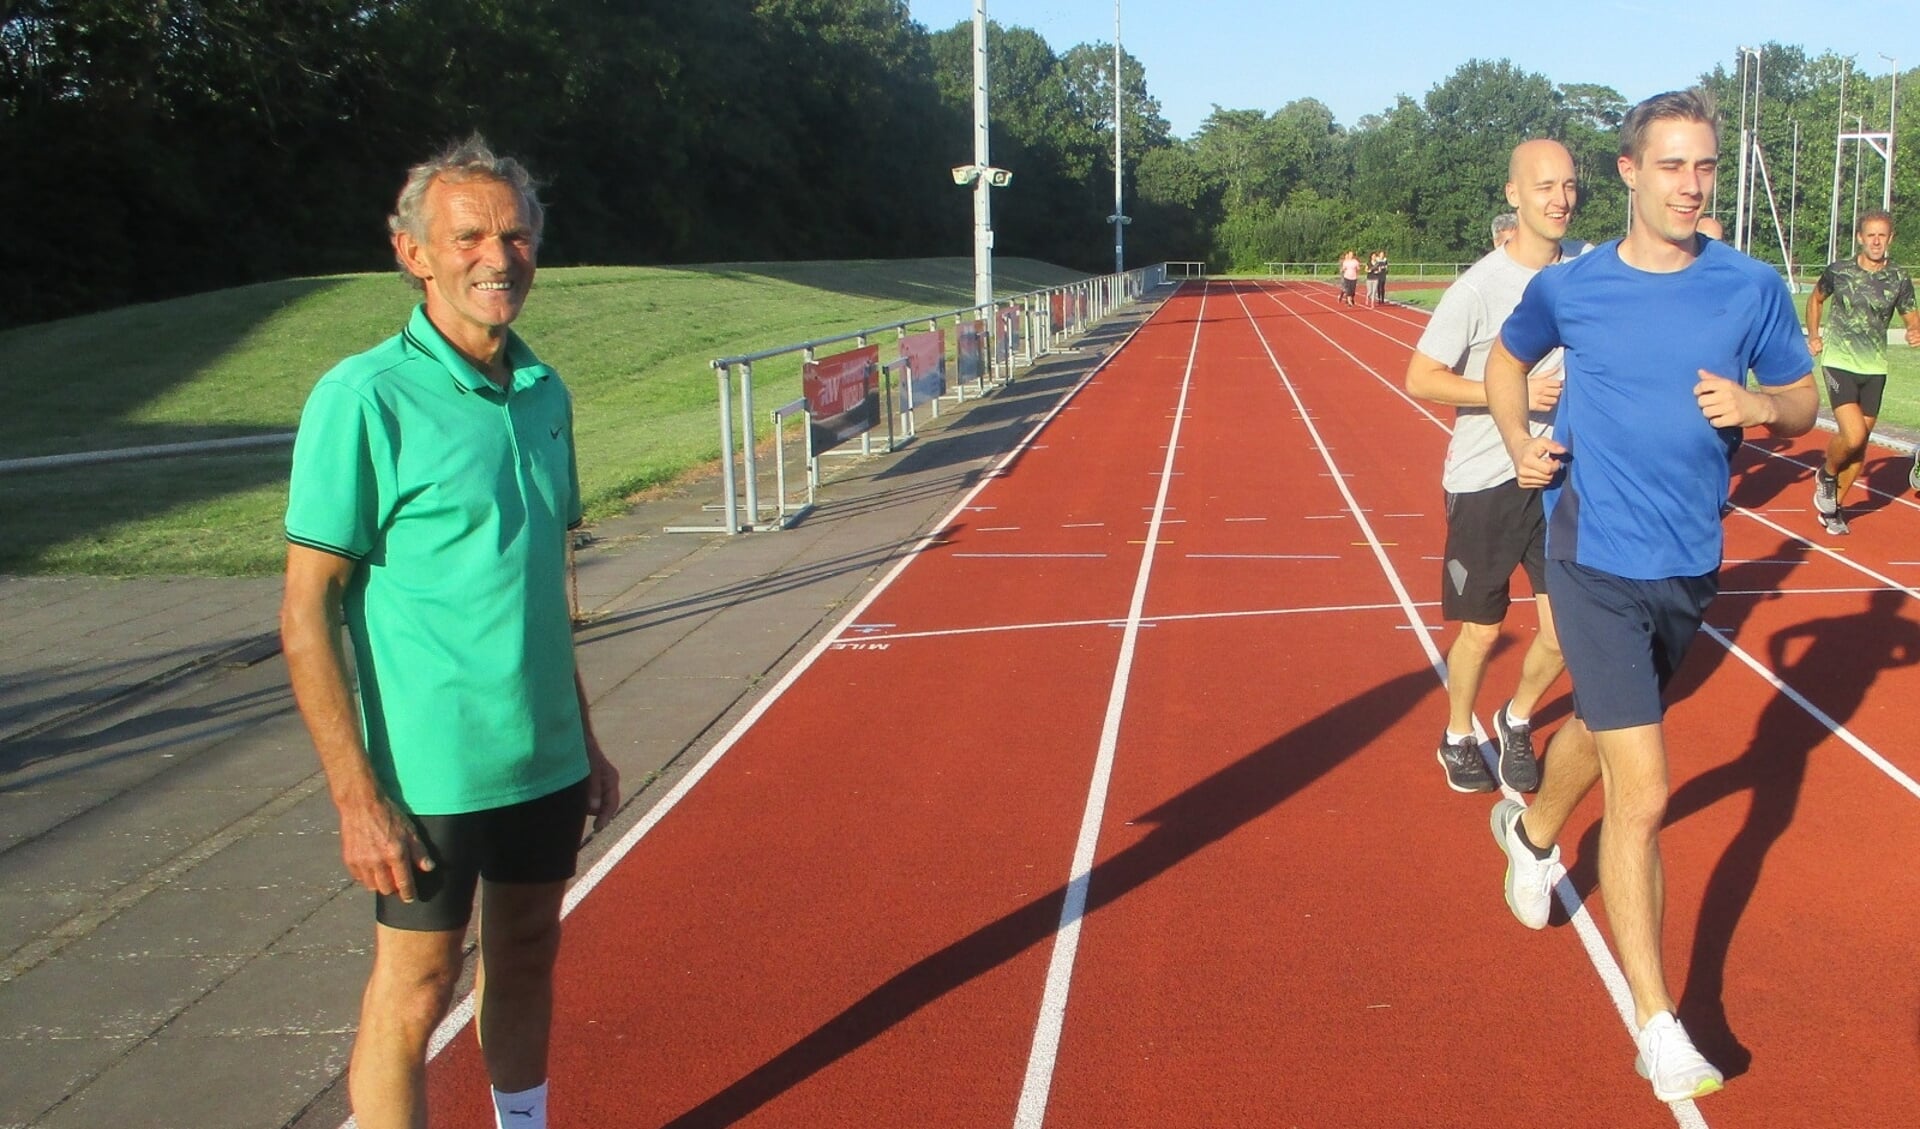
<point x="1624" y="639"/>
<point x="533" y="842"/>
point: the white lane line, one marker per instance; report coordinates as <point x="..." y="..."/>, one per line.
<point x="1394" y="386"/>
<point x="1685" y="1112"/>
<point x="998" y="529"/>
<point x="1836" y="728"/>
<point x="462" y="1013"/>
<point x="1034" y="1088"/>
<point x="1897" y="446"/>
<point x="1148" y="621"/>
<point x="1084" y="525"/>
<point x="1816" y="547"/>
<point x="1031" y="556"/>
<point x="1263" y="557"/>
<point x="1245" y="519"/>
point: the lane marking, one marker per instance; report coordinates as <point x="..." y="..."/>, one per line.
<point x="1181" y="617"/>
<point x="1031" y="556"/>
<point x="1045" y="1051"/>
<point x="1797" y="698"/>
<point x="1263" y="556"/>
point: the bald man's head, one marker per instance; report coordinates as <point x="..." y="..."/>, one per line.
<point x="1542" y="188"/>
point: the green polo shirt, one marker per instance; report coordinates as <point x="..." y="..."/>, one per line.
<point x="454" y="498"/>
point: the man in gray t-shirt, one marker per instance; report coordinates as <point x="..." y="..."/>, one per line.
<point x="1493" y="526"/>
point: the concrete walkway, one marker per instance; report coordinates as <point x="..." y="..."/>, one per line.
<point x="179" y="945"/>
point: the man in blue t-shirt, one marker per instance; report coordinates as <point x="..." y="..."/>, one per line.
<point x="1660" y="329"/>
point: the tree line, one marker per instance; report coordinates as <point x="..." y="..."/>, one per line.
<point x="161" y="147"/>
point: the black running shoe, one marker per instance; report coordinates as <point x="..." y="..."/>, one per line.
<point x="1466" y="768"/>
<point x="1519" y="767"/>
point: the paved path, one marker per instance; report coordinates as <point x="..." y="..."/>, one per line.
<point x="178" y="943"/>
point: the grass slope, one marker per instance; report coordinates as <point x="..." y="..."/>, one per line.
<point x="633" y="343"/>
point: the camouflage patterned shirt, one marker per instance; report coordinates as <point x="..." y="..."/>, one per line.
<point x="1859" y="305"/>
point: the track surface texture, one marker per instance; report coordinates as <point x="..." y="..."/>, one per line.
<point x="1116" y="804"/>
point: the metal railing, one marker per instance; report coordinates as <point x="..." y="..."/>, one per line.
<point x="1041" y="321"/>
<point x="1397" y="270"/>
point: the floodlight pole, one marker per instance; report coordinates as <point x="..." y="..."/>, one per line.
<point x="1119" y="217"/>
<point x="1893" y="101"/>
<point x="982" y="206"/>
<point x="1740" y="197"/>
<point x="1839" y="144"/>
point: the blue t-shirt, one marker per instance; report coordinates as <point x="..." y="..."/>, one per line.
<point x="1647" y="473"/>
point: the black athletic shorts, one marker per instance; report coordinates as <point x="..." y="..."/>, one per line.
<point x="1347" y="285"/>
<point x="1864" y="389"/>
<point x="521" y="844"/>
<point x="1624" y="639"/>
<point x="1490" y="533"/>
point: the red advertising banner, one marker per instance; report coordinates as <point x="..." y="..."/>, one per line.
<point x="843" y="395"/>
<point x="926" y="357"/>
<point x="1058" y="302"/>
<point x="1009" y="334"/>
<point x="971" y="347"/>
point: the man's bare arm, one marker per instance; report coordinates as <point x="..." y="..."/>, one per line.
<point x="1535" y="458"/>
<point x="1786" y="410"/>
<point x="377" y="843"/>
<point x="1815" y="301"/>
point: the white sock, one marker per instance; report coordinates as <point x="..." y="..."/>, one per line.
<point x="1515" y="721"/>
<point x="1455" y="738"/>
<point x="524" y="1110"/>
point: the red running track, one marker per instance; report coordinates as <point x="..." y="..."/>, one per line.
<point x="1116" y="805"/>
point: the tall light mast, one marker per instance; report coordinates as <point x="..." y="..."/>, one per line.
<point x="982" y="203"/>
<point x="1119" y="217"/>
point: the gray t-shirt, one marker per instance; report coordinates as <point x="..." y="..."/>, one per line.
<point x="1460" y="335"/>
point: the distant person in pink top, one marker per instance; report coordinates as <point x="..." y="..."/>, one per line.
<point x="1349" y="276"/>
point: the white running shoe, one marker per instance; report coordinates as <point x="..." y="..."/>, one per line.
<point x="1529" y="879"/>
<point x="1826" y="491"/>
<point x="1668" y="1059"/>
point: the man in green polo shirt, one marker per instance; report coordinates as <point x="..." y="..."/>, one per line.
<point x="1858" y="298"/>
<point x="433" y="486"/>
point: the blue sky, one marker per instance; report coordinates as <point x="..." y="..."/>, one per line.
<point x="1357" y="56"/>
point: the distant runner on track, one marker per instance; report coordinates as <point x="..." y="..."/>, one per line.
<point x="1660" y="330"/>
<point x="1349" y="276"/>
<point x="1494" y="526"/>
<point x="1376" y="278"/>
<point x="1858" y="299"/>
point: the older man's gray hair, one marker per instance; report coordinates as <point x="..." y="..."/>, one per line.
<point x="463" y="160"/>
<point x="1505" y="221"/>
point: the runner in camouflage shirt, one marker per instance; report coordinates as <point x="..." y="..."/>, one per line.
<point x="1858" y="298"/>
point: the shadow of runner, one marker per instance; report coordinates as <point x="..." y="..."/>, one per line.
<point x="1840" y="655"/>
<point x="1203" y="814"/>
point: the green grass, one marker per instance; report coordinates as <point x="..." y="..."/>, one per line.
<point x="633" y="343"/>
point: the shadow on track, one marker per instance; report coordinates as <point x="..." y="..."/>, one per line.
<point x="1840" y="657"/>
<point x="1198" y="817"/>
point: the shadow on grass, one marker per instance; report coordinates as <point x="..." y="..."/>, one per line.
<point x="203" y="515"/>
<point x="114" y="363"/>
